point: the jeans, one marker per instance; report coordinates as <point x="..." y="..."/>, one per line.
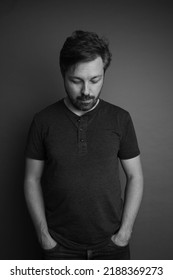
<point x="107" y="252"/>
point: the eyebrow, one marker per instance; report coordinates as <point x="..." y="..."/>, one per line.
<point x="91" y="78"/>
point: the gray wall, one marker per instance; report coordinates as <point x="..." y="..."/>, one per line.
<point x="139" y="80"/>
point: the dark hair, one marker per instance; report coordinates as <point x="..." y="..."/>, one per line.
<point x="83" y="46"/>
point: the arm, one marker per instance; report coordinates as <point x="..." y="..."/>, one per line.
<point x="35" y="202"/>
<point x="133" y="195"/>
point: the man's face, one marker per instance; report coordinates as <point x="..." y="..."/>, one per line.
<point x="83" y="83"/>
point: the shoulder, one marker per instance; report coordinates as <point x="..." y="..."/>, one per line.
<point x="49" y="113"/>
<point x="115" y="111"/>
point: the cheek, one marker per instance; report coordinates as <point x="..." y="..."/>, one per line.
<point x="73" y="90"/>
<point x="97" y="88"/>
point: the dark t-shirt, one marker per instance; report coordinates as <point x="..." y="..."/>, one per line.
<point x="80" y="182"/>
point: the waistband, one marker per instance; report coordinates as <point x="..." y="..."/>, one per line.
<point x="74" y="245"/>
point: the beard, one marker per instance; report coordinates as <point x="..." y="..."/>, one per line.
<point x="84" y="102"/>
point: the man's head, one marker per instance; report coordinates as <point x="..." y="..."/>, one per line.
<point x="84" y="59"/>
<point x="83" y="46"/>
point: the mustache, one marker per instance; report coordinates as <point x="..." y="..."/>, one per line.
<point x="85" y="98"/>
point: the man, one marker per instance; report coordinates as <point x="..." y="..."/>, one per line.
<point x="73" y="150"/>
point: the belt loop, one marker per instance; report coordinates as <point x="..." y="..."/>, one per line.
<point x="89" y="254"/>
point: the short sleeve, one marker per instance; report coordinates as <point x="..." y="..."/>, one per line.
<point x="35" y="143"/>
<point x="128" y="143"/>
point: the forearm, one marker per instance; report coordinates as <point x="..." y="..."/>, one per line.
<point x="132" y="201"/>
<point x="35" y="203"/>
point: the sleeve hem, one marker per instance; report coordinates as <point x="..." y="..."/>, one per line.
<point x="34" y="157"/>
<point x="129" y="156"/>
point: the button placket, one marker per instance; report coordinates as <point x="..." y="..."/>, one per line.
<point x="82" y="139"/>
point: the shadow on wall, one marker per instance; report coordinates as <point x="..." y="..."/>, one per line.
<point x="18" y="238"/>
<point x="30" y="81"/>
<point x="28" y="86"/>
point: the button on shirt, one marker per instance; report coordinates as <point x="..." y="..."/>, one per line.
<point x="81" y="183"/>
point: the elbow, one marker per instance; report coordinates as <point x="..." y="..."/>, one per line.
<point x="30" y="184"/>
<point x="136" y="180"/>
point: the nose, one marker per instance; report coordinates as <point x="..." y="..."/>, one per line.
<point x="85" y="89"/>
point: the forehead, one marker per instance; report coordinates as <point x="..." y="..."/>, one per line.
<point x="90" y="68"/>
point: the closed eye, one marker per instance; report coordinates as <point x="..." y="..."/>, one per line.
<point x="76" y="81"/>
<point x="95" y="81"/>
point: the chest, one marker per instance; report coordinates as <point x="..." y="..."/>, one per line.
<point x="81" y="139"/>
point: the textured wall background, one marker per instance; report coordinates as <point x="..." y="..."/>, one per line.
<point x="139" y="80"/>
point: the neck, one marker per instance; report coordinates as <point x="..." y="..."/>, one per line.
<point x="76" y="111"/>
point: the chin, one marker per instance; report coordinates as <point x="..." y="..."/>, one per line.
<point x="85" y="107"/>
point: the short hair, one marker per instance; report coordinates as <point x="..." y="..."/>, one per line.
<point x="83" y="46"/>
